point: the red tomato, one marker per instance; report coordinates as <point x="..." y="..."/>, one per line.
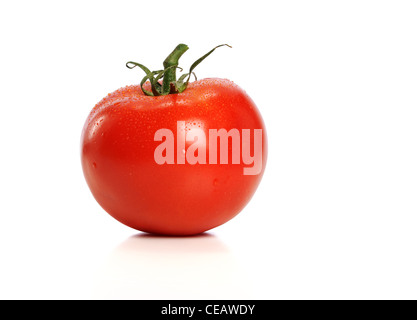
<point x="119" y="148"/>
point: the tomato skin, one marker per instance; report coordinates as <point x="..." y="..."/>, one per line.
<point x="117" y="153"/>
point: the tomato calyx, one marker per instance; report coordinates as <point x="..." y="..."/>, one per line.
<point x="170" y="84"/>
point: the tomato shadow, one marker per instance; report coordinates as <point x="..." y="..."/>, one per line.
<point x="154" y="235"/>
<point x="148" y="266"/>
<point x="199" y="243"/>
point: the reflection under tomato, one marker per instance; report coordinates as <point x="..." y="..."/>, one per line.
<point x="153" y="267"/>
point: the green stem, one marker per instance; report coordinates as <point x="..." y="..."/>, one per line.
<point x="172" y="60"/>
<point x="170" y="84"/>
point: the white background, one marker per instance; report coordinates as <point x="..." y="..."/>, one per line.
<point x="335" y="216"/>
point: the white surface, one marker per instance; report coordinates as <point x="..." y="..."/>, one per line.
<point x="336" y="213"/>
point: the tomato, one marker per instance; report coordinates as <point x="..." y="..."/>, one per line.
<point x="182" y="183"/>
